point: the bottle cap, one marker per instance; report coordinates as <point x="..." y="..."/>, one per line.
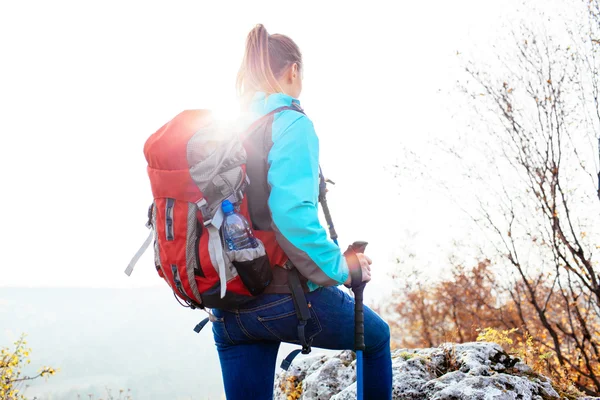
<point x="227" y="206"/>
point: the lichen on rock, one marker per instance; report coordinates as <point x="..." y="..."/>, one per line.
<point x="469" y="371"/>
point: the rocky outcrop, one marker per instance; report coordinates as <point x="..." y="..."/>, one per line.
<point x="469" y="371"/>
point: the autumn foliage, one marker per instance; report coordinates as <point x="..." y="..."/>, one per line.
<point x="12" y="361"/>
<point x="474" y="304"/>
<point x="533" y="177"/>
<point x="450" y="310"/>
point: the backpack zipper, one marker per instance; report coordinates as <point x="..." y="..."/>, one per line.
<point x="198" y="270"/>
<point x="169" y="219"/>
<point x="179" y="287"/>
<point x="152" y="222"/>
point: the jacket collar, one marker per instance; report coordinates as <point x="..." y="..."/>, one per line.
<point x="262" y="104"/>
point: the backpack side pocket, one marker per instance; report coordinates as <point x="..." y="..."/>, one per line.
<point x="253" y="267"/>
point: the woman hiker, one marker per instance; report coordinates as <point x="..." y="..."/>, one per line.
<point x="248" y="338"/>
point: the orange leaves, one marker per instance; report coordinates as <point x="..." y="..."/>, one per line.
<point x="454" y="310"/>
<point x="508" y="89"/>
<point x="291" y="387"/>
<point x="429" y="314"/>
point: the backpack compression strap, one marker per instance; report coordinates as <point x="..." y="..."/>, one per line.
<point x="144" y="246"/>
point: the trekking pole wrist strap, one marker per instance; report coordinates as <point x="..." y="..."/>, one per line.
<point x="353" y="267"/>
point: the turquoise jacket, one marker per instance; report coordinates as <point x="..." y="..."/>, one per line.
<point x="293" y="177"/>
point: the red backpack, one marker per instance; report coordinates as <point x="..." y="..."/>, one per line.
<point x="194" y="164"/>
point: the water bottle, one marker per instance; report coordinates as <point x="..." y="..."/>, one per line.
<point x="236" y="230"/>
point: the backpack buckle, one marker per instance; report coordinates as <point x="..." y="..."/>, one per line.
<point x="289" y="265"/>
<point x="203" y="207"/>
<point x="150" y="211"/>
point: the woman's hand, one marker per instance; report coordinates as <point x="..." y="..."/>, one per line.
<point x="365" y="266"/>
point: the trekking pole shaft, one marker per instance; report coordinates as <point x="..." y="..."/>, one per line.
<point x="359" y="326"/>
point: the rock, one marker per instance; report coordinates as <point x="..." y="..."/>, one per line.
<point x="469" y="371"/>
<point x="497" y="387"/>
<point x="321" y="376"/>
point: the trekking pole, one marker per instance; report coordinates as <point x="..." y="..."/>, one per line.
<point x="359" y="315"/>
<point x="323" y="200"/>
<point x="359" y="326"/>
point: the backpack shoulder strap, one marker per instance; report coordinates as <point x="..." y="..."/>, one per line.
<point x="261" y="120"/>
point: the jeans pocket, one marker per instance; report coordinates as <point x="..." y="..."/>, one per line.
<point x="220" y="332"/>
<point x="284" y="326"/>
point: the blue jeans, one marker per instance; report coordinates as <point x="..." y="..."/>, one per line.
<point x="248" y="340"/>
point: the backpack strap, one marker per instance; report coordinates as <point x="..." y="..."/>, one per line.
<point x="139" y="253"/>
<point x="215" y="246"/>
<point x="261" y="120"/>
<point x="144" y="246"/>
<point x="302" y="312"/>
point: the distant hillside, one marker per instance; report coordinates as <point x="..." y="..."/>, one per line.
<point x="121" y="338"/>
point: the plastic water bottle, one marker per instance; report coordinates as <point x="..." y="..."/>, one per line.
<point x="236" y="230"/>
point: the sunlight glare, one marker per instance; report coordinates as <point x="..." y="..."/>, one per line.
<point x="225" y="110"/>
<point x="228" y="115"/>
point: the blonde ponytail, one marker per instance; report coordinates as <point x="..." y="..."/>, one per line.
<point x="265" y="59"/>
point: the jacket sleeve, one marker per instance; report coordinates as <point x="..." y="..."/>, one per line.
<point x="294" y="179"/>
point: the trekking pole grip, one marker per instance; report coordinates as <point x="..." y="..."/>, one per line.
<point x="359" y="315"/>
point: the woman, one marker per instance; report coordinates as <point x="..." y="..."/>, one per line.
<point x="248" y="338"/>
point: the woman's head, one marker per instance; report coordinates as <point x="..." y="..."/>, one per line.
<point x="272" y="64"/>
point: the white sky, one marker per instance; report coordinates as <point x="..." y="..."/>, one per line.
<point x="83" y="84"/>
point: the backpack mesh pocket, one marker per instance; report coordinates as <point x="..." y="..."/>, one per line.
<point x="253" y="267"/>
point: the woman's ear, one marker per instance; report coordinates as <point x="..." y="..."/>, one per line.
<point x="294" y="73"/>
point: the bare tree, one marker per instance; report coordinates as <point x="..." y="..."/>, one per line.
<point x="540" y="108"/>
